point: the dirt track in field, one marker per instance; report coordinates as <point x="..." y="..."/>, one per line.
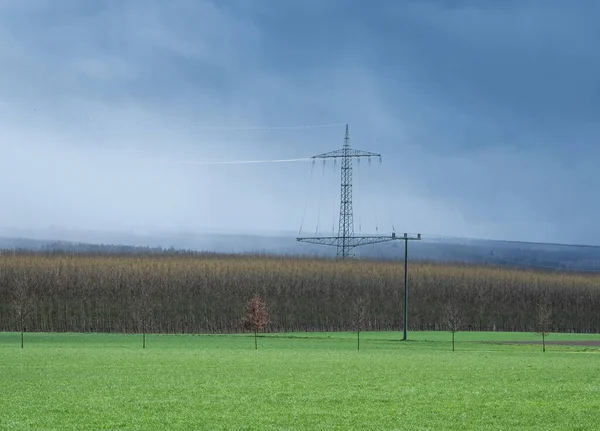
<point x="592" y="343"/>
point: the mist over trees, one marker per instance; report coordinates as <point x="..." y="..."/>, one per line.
<point x="501" y="253"/>
<point x="181" y="293"/>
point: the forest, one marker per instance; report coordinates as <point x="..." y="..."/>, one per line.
<point x="207" y="293"/>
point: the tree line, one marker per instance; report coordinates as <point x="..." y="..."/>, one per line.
<point x="191" y="293"/>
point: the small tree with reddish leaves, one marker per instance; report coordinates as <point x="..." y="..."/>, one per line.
<point x="256" y="317"/>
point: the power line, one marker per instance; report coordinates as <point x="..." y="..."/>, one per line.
<point x="509" y="241"/>
<point x="239" y="162"/>
<point x="316" y="126"/>
<point x="90" y="119"/>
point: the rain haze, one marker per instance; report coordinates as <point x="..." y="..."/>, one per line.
<point x="485" y="113"/>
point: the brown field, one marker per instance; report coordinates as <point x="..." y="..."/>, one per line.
<point x="207" y="293"/>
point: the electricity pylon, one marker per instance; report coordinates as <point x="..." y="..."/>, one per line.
<point x="346" y="242"/>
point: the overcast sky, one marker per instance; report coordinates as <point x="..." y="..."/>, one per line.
<point x="486" y="114"/>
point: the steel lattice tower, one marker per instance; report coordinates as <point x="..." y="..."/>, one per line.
<point x="346" y="242"/>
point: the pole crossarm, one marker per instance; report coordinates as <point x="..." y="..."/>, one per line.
<point x="406" y="236"/>
<point x="345" y="152"/>
<point x="354" y="241"/>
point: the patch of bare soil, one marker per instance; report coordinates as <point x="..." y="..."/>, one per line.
<point x="593" y="343"/>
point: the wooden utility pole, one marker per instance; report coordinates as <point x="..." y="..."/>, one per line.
<point x="406" y="238"/>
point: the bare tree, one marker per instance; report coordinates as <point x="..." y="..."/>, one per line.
<point x="453" y="319"/>
<point x="256" y="317"/>
<point x="21" y="304"/>
<point x="543" y="320"/>
<point x="144" y="306"/>
<point x="359" y="318"/>
<point x="303" y="294"/>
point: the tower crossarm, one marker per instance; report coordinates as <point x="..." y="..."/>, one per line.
<point x="366" y="240"/>
<point x="345" y="153"/>
<point x="345" y="241"/>
<point x="353" y="241"/>
<point x="321" y="240"/>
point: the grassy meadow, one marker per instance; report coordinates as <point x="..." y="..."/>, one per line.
<point x="297" y="381"/>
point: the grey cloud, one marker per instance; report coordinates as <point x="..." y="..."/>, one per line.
<point x="473" y="105"/>
<point x="121" y="50"/>
<point x="527" y="63"/>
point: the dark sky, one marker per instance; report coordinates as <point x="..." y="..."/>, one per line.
<point x="486" y="114"/>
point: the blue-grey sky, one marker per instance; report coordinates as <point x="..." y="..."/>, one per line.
<point x="486" y="113"/>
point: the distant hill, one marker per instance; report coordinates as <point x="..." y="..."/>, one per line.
<point x="469" y="251"/>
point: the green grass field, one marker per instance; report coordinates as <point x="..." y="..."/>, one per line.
<point x="297" y="381"/>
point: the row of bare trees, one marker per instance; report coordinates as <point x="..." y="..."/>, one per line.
<point x="191" y="294"/>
